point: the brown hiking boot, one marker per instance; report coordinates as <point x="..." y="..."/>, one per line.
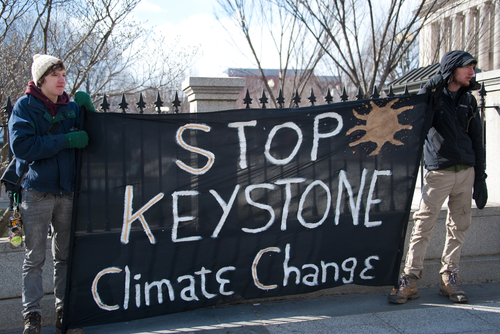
<point x="407" y="290"/>
<point x="449" y="287"/>
<point x="32" y="323"/>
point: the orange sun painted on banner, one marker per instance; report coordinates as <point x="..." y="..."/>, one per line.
<point x="381" y="125"/>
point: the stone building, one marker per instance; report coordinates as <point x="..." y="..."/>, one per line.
<point x="471" y="25"/>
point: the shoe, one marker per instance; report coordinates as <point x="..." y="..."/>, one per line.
<point x="407" y="290"/>
<point x="32" y="323"/>
<point x="59" y="321"/>
<point x="449" y="287"/>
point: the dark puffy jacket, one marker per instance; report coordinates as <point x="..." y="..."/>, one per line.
<point x="455" y="137"/>
<point x="53" y="168"/>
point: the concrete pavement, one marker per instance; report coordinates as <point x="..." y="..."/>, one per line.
<point x="350" y="313"/>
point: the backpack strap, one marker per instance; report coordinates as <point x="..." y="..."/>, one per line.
<point x="472" y="113"/>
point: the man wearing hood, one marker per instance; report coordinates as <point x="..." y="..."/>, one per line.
<point x="455" y="163"/>
<point x="43" y="134"/>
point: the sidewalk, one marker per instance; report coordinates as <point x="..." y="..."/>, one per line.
<point x="352" y="313"/>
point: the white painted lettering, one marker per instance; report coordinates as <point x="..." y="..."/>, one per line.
<point x="137" y="291"/>
<point x="226" y="208"/>
<point x="317" y="135"/>
<point x="273" y="132"/>
<point x="129" y="218"/>
<point x="188" y="293"/>
<point x="324" y="270"/>
<point x="311" y="279"/>
<point x="368" y="266"/>
<point x="266" y="207"/>
<point x="223" y="281"/>
<point x="349" y="269"/>
<point x="203" y="272"/>
<point x="344" y="182"/>
<point x="371" y="201"/>
<point x="303" y="200"/>
<point x="255" y="262"/>
<point x="177" y="219"/>
<point x="288" y="197"/>
<point x="127" y="288"/>
<point x="243" y="141"/>
<point x="158" y="285"/>
<point x="289" y="269"/>
<point x="95" y="293"/>
<point x="209" y="155"/>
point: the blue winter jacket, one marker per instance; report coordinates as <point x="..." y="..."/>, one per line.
<point x="52" y="165"/>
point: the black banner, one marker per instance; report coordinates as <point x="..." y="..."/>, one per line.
<point x="177" y="212"/>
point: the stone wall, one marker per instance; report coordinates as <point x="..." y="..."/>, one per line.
<point x="491" y="80"/>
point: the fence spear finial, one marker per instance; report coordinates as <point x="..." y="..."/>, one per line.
<point x="158" y="103"/>
<point x="296" y="99"/>
<point x="328" y="97"/>
<point x="141" y="104"/>
<point x="105" y="105"/>
<point x="263" y="100"/>
<point x="360" y="95"/>
<point x="280" y="99"/>
<point x="247" y="100"/>
<point x="7" y="108"/>
<point x="176" y="103"/>
<point x="123" y="105"/>
<point x="344" y="97"/>
<point x="391" y="92"/>
<point x="312" y="98"/>
<point x="406" y="93"/>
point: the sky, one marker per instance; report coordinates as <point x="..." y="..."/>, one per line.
<point x="195" y="23"/>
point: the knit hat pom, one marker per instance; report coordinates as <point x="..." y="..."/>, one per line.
<point x="41" y="63"/>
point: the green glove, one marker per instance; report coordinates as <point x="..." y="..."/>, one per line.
<point x="83" y="99"/>
<point x="76" y="139"/>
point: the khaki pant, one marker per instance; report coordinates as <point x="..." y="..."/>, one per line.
<point x="439" y="185"/>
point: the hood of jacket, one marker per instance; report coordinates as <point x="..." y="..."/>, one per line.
<point x="452" y="60"/>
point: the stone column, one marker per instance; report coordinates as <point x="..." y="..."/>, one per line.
<point x="444" y="37"/>
<point x="483" y="56"/>
<point x="496" y="38"/>
<point x="458" y="32"/>
<point x="470" y="33"/>
<point x="212" y="94"/>
<point x="434" y="47"/>
<point x="427" y="46"/>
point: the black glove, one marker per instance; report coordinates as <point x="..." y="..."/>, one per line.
<point x="480" y="194"/>
<point x="435" y="87"/>
<point x="474" y="85"/>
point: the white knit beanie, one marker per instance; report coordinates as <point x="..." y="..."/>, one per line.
<point x="41" y="63"/>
